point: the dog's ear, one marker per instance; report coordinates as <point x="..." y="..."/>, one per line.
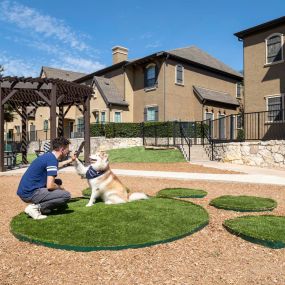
<point x="105" y="156"/>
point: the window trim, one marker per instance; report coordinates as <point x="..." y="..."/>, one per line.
<point x="105" y="111"/>
<point x="266" y="55"/>
<point x="283" y="101"/>
<point x="120" y="115"/>
<point x="178" y="83"/>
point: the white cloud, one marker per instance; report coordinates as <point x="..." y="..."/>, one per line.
<point x="28" y="18"/>
<point x="18" y="67"/>
<point x="78" y="64"/>
<point x="153" y="45"/>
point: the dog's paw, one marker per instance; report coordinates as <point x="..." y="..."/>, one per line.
<point x="89" y="205"/>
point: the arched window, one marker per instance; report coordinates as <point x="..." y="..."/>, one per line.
<point x="150" y="76"/>
<point x="274" y="52"/>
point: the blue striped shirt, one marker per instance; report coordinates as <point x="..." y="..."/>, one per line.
<point x="36" y="175"/>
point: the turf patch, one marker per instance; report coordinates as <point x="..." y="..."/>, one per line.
<point x="112" y="227"/>
<point x="86" y="192"/>
<point x="181" y="193"/>
<point x="244" y="203"/>
<point x="265" y="230"/>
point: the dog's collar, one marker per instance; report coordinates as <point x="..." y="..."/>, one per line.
<point x="92" y="173"/>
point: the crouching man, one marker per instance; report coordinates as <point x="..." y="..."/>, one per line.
<point x="39" y="186"/>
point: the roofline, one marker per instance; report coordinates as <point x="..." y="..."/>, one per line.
<point x="100" y="71"/>
<point x="154" y="55"/>
<point x="104" y="97"/>
<point x="260" y="27"/>
<point x="203" y="100"/>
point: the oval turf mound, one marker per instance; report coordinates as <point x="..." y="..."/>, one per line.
<point x="112" y="227"/>
<point x="266" y="230"/>
<point x="244" y="203"/>
<point x="181" y="193"/>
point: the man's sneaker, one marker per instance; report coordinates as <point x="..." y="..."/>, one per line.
<point x="34" y="212"/>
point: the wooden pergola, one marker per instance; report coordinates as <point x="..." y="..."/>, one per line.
<point x="59" y="95"/>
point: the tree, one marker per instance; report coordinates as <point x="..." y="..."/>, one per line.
<point x="8" y="110"/>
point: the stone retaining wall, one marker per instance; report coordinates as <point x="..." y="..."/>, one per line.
<point x="95" y="143"/>
<point x="261" y="153"/>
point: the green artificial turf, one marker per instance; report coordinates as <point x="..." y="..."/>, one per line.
<point x="244" y="203"/>
<point x="135" y="224"/>
<point x="140" y="154"/>
<point x="181" y="193"/>
<point x="266" y="230"/>
<point x="86" y="192"/>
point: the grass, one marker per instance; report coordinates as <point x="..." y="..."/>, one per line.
<point x="244" y="203"/>
<point x="138" y="223"/>
<point x="266" y="230"/>
<point x="140" y="154"/>
<point x="181" y="193"/>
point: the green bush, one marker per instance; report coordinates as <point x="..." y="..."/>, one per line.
<point x="97" y="130"/>
<point x="123" y="130"/>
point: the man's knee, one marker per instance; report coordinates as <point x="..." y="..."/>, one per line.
<point x="66" y="196"/>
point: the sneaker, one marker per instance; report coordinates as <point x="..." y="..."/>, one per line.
<point x="34" y="212"/>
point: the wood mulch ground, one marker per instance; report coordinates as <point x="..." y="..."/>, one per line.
<point x="210" y="256"/>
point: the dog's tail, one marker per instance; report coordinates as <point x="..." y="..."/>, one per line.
<point x="137" y="196"/>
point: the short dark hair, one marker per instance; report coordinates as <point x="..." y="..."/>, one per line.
<point x="59" y="142"/>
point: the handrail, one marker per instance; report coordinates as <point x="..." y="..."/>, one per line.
<point x="186" y="138"/>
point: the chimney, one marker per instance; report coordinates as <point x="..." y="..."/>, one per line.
<point x="119" y="54"/>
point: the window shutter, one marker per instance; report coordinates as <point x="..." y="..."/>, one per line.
<point x="156" y="113"/>
<point x="145" y="77"/>
<point x="156" y="74"/>
<point x="145" y="114"/>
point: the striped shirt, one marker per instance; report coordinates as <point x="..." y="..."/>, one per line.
<point x="36" y="175"/>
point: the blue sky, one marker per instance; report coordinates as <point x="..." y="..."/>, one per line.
<point x="78" y="35"/>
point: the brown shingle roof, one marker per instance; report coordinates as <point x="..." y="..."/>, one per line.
<point x="108" y="89"/>
<point x="57" y="73"/>
<point x="195" y="54"/>
<point x="205" y="94"/>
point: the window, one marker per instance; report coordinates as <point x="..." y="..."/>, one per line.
<point x="239" y="122"/>
<point x="239" y="90"/>
<point x="103" y="117"/>
<point x="117" y="117"/>
<point x="274" y="108"/>
<point x="209" y="117"/>
<point x="274" y="51"/>
<point x="45" y="125"/>
<point x="18" y="129"/>
<point x="179" y="74"/>
<point x="96" y="116"/>
<point x="80" y="125"/>
<point x="151" y="114"/>
<point x="150" y="76"/>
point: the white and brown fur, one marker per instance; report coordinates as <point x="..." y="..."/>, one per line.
<point x="107" y="186"/>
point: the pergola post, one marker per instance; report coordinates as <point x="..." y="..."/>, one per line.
<point x="2" y="168"/>
<point x="53" y="134"/>
<point x="60" y="121"/>
<point x="24" y="118"/>
<point x="86" y="128"/>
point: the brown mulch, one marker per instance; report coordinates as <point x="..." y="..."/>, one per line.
<point x="210" y="256"/>
<point x="175" y="166"/>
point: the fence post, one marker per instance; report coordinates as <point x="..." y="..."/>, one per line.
<point x="155" y="134"/>
<point x="167" y="134"/>
<point x="142" y="126"/>
<point x="258" y="125"/>
<point x="202" y="132"/>
<point x="231" y="127"/>
<point x="173" y="131"/>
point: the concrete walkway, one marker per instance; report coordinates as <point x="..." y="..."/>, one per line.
<point x="251" y="174"/>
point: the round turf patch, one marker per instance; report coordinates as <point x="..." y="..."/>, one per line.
<point x="181" y="193"/>
<point x="244" y="203"/>
<point x="112" y="227"/>
<point x="266" y="230"/>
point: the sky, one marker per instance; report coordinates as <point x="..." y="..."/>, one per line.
<point x="79" y="35"/>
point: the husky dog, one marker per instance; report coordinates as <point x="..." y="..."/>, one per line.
<point x="103" y="182"/>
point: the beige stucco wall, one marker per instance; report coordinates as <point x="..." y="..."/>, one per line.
<point x="261" y="80"/>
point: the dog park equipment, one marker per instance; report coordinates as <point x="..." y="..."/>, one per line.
<point x="266" y="230"/>
<point x="113" y="227"/>
<point x="244" y="203"/>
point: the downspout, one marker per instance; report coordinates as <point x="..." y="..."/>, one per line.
<point x="164" y="87"/>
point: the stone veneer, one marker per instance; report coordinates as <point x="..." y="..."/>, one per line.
<point x="259" y="153"/>
<point x="95" y="143"/>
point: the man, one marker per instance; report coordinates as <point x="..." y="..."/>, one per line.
<point x="39" y="186"/>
